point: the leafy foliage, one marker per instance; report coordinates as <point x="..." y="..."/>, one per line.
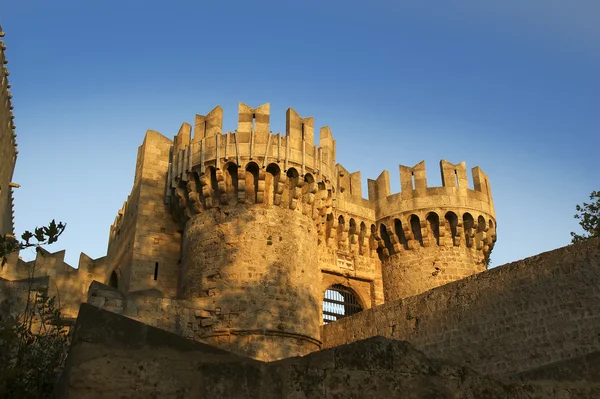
<point x="44" y="235"/>
<point x="34" y="342"/>
<point x="33" y="349"/>
<point x="589" y="218"/>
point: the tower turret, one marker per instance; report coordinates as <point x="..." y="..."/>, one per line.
<point x="429" y="236"/>
<point x="245" y="202"/>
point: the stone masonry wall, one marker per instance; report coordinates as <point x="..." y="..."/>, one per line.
<point x="508" y="319"/>
<point x="112" y="356"/>
<point x="156" y="247"/>
<point x="14" y="294"/>
<point x="144" y="244"/>
<point x="412" y="272"/>
<point x="68" y="284"/>
<point x="259" y="267"/>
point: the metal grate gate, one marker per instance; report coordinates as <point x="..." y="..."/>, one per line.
<point x="338" y="303"/>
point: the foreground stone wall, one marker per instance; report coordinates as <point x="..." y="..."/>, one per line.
<point x="512" y="318"/>
<point x="112" y="356"/>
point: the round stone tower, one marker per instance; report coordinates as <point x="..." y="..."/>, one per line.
<point x="246" y="205"/>
<point x="429" y="236"/>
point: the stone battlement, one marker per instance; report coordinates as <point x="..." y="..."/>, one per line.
<point x="67" y="283"/>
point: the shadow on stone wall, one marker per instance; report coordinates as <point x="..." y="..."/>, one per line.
<point x="253" y="286"/>
<point x="113" y="356"/>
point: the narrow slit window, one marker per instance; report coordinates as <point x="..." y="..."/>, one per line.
<point x="303" y="131"/>
<point x="253" y="122"/>
<point x="456" y="177"/>
<point x="155" y="271"/>
<point x="412" y="176"/>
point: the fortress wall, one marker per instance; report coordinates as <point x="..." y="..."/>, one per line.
<point x="13" y="295"/>
<point x="188" y="318"/>
<point x="122" y="233"/>
<point x="67" y="284"/>
<point x="506" y="320"/>
<point x="8" y="146"/>
<point x="156" y="246"/>
<point x="144" y="238"/>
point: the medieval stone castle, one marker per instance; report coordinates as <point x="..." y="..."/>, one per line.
<point x="261" y="244"/>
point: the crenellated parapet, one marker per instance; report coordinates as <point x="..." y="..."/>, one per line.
<point x="251" y="165"/>
<point x="456" y="212"/>
<point x="68" y="284"/>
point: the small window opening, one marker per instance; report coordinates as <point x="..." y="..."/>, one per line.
<point x="156" y="271"/>
<point x="339" y="302"/>
<point x="204" y="135"/>
<point x="114" y="280"/>
<point x="303" y="131"/>
<point x="253" y="122"/>
<point x="412" y="176"/>
<point x="456" y="177"/>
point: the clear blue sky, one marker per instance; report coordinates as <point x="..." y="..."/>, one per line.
<point x="511" y="86"/>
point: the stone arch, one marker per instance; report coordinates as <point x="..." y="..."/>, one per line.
<point x="341" y="233"/>
<point x="387" y="242"/>
<point x="481" y="225"/>
<point x="480" y="233"/>
<point x="415" y="225"/>
<point x="452" y="220"/>
<point x="433" y="224"/>
<point x="293" y="178"/>
<point x="271" y="182"/>
<point x="340" y="301"/>
<point x="308" y="178"/>
<point x="252" y="171"/>
<point x="214" y="183"/>
<point x="400" y="233"/>
<point x="352" y="227"/>
<point x="468" y="226"/>
<point x="373" y="239"/>
<point x="231" y="181"/>
<point x="113" y="281"/>
<point x="361" y="237"/>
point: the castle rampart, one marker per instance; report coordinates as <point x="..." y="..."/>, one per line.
<point x="68" y="284"/>
<point x="508" y="319"/>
